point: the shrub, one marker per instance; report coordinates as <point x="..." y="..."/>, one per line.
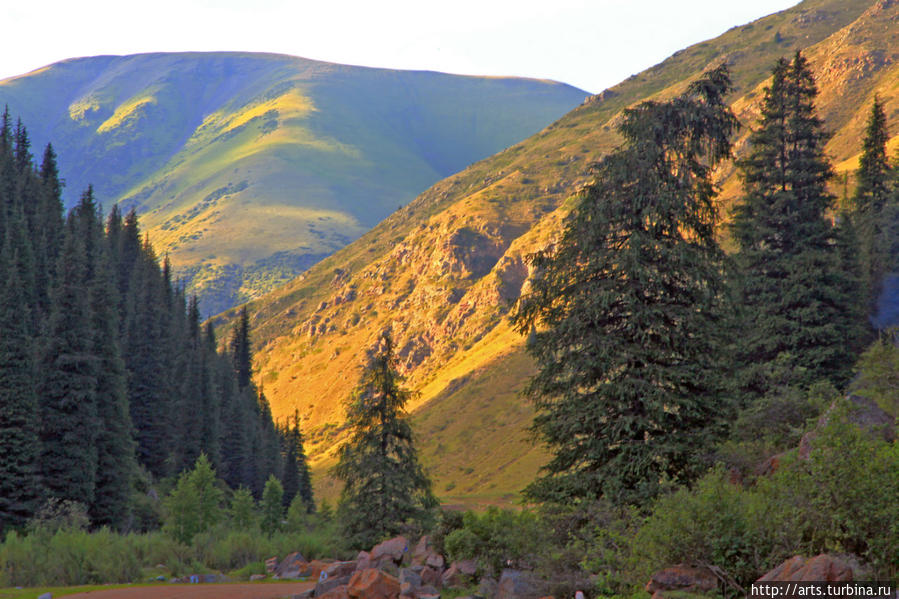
<point x="497" y="539"/>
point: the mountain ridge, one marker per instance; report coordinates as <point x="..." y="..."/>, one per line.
<point x="416" y="273"/>
<point x="246" y="168"/>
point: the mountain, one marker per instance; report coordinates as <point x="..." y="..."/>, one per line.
<point x="444" y="271"/>
<point x="248" y="168"/>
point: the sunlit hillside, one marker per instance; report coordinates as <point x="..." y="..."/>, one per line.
<point x="248" y="168"/>
<point x="444" y="271"/>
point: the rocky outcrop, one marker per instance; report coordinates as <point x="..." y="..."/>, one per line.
<point x="373" y="584"/>
<point x="821" y="568"/>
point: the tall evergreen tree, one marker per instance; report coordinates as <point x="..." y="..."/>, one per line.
<point x="296" y="479"/>
<point x="385" y="491"/>
<point x="872" y="193"/>
<point x="797" y="301"/>
<point x="19" y="448"/>
<point x="626" y="309"/>
<point x="240" y="349"/>
<point x="67" y="390"/>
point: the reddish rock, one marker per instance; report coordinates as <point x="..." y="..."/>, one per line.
<point x="291" y="566"/>
<point x="394" y="548"/>
<point x="435" y="560"/>
<point x="335" y="593"/>
<point x="454" y="577"/>
<point x="824" y="568"/>
<point x="315" y="568"/>
<point x="326" y="584"/>
<point x="373" y="584"/>
<point x="421" y="551"/>
<point x="271" y="564"/>
<point x="683" y="578"/>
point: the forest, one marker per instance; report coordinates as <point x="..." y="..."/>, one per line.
<point x="725" y="409"/>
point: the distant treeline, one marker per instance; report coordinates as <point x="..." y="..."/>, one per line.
<point x="108" y="379"/>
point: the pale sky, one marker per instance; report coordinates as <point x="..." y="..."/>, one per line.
<point x="591" y="44"/>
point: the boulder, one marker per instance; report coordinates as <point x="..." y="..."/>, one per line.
<point x="394" y="548"/>
<point x="683" y="578"/>
<point x="373" y="584"/>
<point x="45" y="596"/>
<point x="256" y="577"/>
<point x="338" y="592"/>
<point x="363" y="560"/>
<point x="421" y="551"/>
<point x="487" y="587"/>
<point x="454" y="577"/>
<point x="410" y="576"/>
<point x="314" y="569"/>
<point x="327" y="584"/>
<point x="427" y="591"/>
<point x="821" y="568"/>
<point x="304" y="595"/>
<point x="291" y="566"/>
<point x="340" y="569"/>
<point x="430" y="576"/>
<point x="435" y="560"/>
<point x="518" y="584"/>
<point x="271" y="564"/>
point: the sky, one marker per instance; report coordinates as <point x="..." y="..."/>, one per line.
<point x="591" y="44"/>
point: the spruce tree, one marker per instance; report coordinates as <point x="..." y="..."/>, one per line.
<point x="240" y="349"/>
<point x="624" y="313"/>
<point x="19" y="446"/>
<point x="67" y="390"/>
<point x="386" y="491"/>
<point x="872" y="194"/>
<point x="796" y="301"/>
<point x="296" y="479"/>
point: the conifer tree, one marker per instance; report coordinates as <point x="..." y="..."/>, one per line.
<point x="19" y="448"/>
<point x="872" y="194"/>
<point x="240" y="349"/>
<point x="296" y="479"/>
<point x="625" y="312"/>
<point x="796" y="300"/>
<point x="67" y="390"/>
<point x="385" y="488"/>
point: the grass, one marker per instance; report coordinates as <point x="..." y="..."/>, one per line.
<point x="34" y="593"/>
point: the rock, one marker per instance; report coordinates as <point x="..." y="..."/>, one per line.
<point x="45" y="596"/>
<point x="327" y="584"/>
<point x="314" y="569"/>
<point x="291" y="566"/>
<point x="430" y="576"/>
<point x="407" y="575"/>
<point x="271" y="564"/>
<point x="337" y="569"/>
<point x="339" y="592"/>
<point x="517" y="584"/>
<point x="255" y="577"/>
<point x="427" y="591"/>
<point x="454" y="577"/>
<point x="435" y="560"/>
<point x="394" y="548"/>
<point x="373" y="584"/>
<point x="421" y="551"/>
<point x="823" y="568"/>
<point x="363" y="560"/>
<point x="304" y="595"/>
<point x="683" y="578"/>
<point x="487" y="587"/>
<point x="469" y="567"/>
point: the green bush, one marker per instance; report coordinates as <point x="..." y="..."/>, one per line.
<point x="497" y="539"/>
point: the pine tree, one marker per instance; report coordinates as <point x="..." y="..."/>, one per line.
<point x="872" y="193"/>
<point x="240" y="349"/>
<point x="385" y="488"/>
<point x="625" y="312"/>
<point x="19" y="448"/>
<point x="67" y="390"/>
<point x="796" y="303"/>
<point x="297" y="481"/>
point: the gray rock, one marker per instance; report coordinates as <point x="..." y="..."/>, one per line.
<point x="411" y="576"/>
<point x="330" y="583"/>
<point x="45" y="596"/>
<point x="487" y="587"/>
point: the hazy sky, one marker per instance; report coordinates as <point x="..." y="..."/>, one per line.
<point x="592" y="44"/>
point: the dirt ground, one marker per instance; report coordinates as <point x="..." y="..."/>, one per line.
<point x="201" y="591"/>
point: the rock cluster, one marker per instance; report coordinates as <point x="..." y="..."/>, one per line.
<point x="397" y="569"/>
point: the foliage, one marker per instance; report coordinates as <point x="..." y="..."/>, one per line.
<point x="243" y="510"/>
<point x="878" y="373"/>
<point x="386" y="491"/>
<point x="193" y="506"/>
<point x="496" y="539"/>
<point x="272" y="507"/>
<point x="627" y="309"/>
<point x="797" y="301"/>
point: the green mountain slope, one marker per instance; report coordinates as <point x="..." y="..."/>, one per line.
<point x="248" y="168"/>
<point x="444" y="271"/>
